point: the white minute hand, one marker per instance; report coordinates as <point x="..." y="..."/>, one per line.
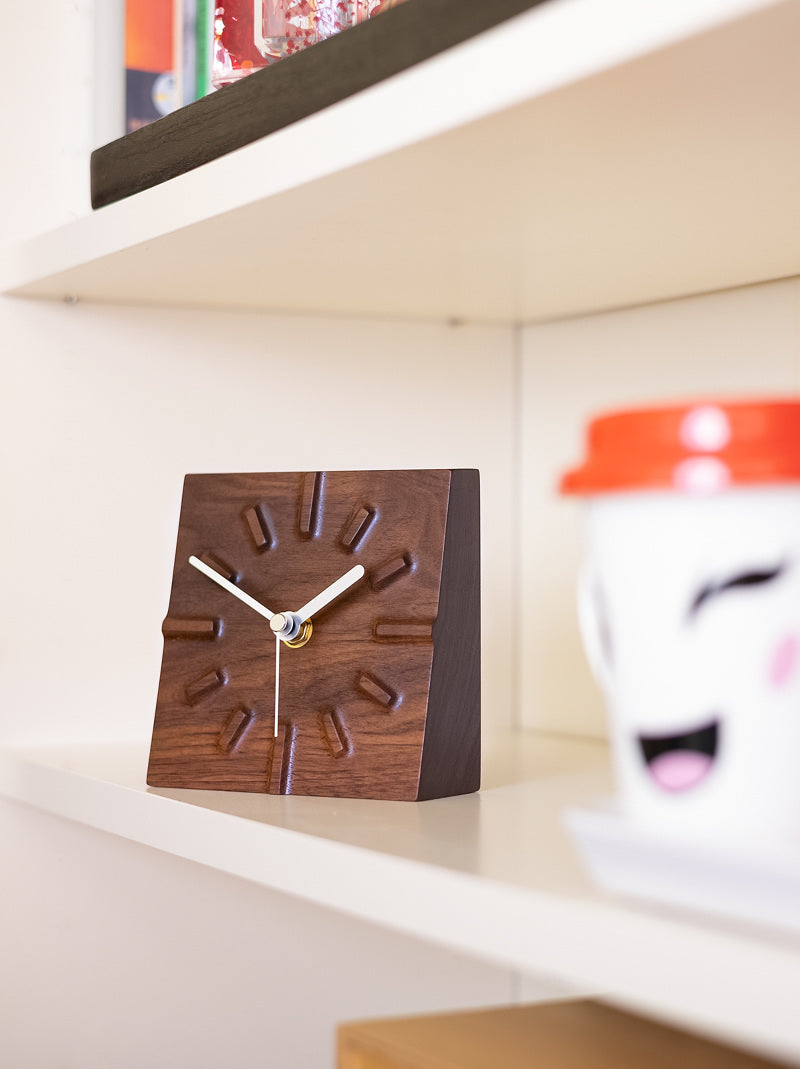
<point x="328" y="594"/>
<point x="223" y="582"/>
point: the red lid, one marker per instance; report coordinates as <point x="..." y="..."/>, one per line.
<point x="699" y="447"/>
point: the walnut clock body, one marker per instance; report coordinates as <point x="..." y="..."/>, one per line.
<point x="376" y="694"/>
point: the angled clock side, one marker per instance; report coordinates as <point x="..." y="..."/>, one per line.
<point x="451" y="755"/>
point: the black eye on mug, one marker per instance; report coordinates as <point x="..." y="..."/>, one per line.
<point x="751" y="577"/>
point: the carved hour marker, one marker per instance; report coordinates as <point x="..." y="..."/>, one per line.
<point x="281" y="764"/>
<point x="236" y="727"/>
<point x="310" y="516"/>
<point x="259" y="524"/>
<point x="390" y="570"/>
<point x="403" y="630"/>
<point x="183" y="627"/>
<point x="221" y="566"/>
<point x="206" y="684"/>
<point x="358" y="527"/>
<point x="378" y="691"/>
<point x="334" y="733"/>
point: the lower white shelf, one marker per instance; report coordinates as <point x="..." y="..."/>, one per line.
<point x="493" y="875"/>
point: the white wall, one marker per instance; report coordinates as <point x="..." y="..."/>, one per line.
<point x="104" y="409"/>
<point x="733" y="343"/>
<point x="47" y="113"/>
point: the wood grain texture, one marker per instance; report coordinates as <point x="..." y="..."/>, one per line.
<point x="362" y="704"/>
<point x="358" y="526"/>
<point x="377" y="690"/>
<point x="281" y="760"/>
<point x="334" y="732"/>
<point x="557" y="1035"/>
<point x="288" y="91"/>
<point x="403" y="630"/>
<point x="389" y="571"/>
<point x="452" y="750"/>
<point x="205" y="685"/>
<point x="259" y="525"/>
<point x="183" y="627"/>
<point x="309" y="513"/>
<point x="221" y="566"/>
<point x="235" y="729"/>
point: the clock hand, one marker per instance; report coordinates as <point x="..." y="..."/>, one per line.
<point x="287" y="625"/>
<point x="277" y="678"/>
<point x="259" y="608"/>
<point x="291" y="622"/>
<point x="237" y="593"/>
<point x="331" y="592"/>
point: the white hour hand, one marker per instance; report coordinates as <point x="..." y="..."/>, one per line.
<point x="326" y="596"/>
<point x="226" y="585"/>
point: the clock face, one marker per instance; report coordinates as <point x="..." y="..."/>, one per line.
<point x="354" y="700"/>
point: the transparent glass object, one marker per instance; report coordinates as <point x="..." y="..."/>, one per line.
<point x="286" y="26"/>
<point x="234" y="51"/>
<point x="251" y="34"/>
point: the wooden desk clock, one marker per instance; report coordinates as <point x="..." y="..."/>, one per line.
<point x="323" y="636"/>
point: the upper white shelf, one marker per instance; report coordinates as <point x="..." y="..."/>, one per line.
<point x="492" y="875"/>
<point x="587" y="154"/>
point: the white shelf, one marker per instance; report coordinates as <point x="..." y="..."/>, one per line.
<point x="587" y="154"/>
<point x="492" y="875"/>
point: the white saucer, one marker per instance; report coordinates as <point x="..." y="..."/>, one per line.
<point x="754" y="883"/>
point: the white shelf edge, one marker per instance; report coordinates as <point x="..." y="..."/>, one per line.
<point x="529" y="56"/>
<point x="736" y="985"/>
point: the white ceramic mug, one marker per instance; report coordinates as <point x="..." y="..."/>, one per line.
<point x="689" y="606"/>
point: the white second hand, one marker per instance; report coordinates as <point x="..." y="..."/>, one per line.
<point x="277" y="679"/>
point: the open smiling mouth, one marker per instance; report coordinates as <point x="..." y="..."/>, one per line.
<point x="679" y="762"/>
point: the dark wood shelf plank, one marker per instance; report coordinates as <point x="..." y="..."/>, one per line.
<point x="292" y="89"/>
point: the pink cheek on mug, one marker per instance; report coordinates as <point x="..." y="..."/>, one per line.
<point x="784" y="661"/>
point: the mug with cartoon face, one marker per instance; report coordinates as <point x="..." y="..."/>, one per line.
<point x="689" y="608"/>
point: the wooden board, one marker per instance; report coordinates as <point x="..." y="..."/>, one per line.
<point x="560" y="1035"/>
<point x="383" y="701"/>
<point x="295" y="87"/>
